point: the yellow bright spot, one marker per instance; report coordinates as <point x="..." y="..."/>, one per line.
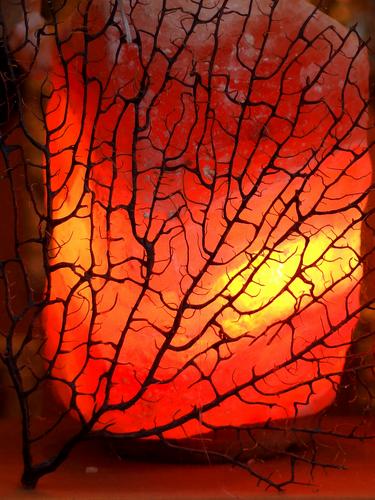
<point x="277" y="283"/>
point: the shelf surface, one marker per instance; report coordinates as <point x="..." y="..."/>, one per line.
<point x="93" y="471"/>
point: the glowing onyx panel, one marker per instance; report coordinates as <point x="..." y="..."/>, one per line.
<point x="206" y="184"/>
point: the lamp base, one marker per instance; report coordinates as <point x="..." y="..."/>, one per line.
<point x="234" y="445"/>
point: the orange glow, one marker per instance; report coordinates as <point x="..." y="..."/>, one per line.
<point x="232" y="294"/>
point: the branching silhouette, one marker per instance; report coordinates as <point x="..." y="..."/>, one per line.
<point x="185" y="184"/>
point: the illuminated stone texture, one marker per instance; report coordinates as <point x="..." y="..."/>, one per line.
<point x="206" y="186"/>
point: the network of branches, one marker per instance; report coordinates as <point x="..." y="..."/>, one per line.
<point x="186" y="187"/>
